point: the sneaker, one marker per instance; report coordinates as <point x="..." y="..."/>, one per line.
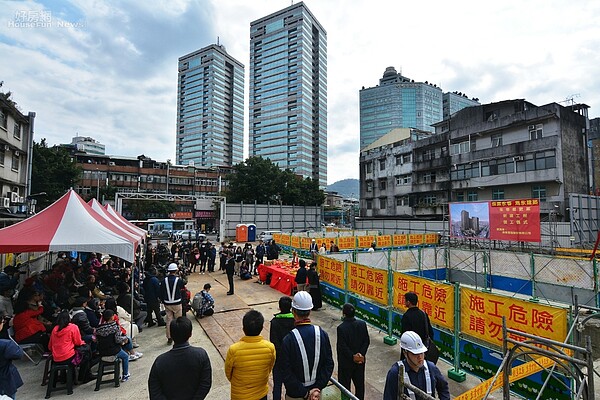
<point x="139" y="355"/>
<point x="135" y="345"/>
<point x="133" y="357"/>
<point x="125" y="378"/>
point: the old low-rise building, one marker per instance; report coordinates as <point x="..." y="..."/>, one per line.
<point x="506" y="150"/>
<point x="16" y="131"/>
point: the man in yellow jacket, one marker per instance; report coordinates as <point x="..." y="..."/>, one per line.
<point x="250" y="361"/>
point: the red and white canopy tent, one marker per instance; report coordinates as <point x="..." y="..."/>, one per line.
<point x="67" y="224"/>
<point x="125" y="229"/>
<point x="118" y="216"/>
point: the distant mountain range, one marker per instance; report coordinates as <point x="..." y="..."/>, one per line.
<point x="345" y="188"/>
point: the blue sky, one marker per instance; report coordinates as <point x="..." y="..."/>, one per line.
<point x="108" y="69"/>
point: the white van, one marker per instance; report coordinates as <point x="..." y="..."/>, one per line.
<point x="267" y="235"/>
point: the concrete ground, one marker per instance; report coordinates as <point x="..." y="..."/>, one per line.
<point x="215" y="334"/>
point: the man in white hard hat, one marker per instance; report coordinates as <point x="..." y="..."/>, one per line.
<point x="314" y="249"/>
<point x="306" y="355"/>
<point x="419" y="372"/>
<point x="170" y="294"/>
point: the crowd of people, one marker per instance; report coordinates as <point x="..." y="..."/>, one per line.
<point x="86" y="307"/>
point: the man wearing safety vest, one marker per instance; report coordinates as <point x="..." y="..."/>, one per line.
<point x="170" y="294"/>
<point x="419" y="372"/>
<point x="306" y="356"/>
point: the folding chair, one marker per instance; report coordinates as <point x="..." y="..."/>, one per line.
<point x="27" y="347"/>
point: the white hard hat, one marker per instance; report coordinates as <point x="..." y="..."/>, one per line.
<point x="302" y="301"/>
<point x="412" y="342"/>
<point x="172" y="267"/>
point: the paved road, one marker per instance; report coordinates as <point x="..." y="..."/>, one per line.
<point x="215" y="334"/>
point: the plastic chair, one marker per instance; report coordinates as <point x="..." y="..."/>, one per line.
<point x="54" y="369"/>
<point x="108" y="365"/>
<point x="27" y="347"/>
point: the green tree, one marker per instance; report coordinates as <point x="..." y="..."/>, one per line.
<point x="53" y="172"/>
<point x="258" y="179"/>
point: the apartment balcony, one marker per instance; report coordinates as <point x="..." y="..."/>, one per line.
<point x="433" y="164"/>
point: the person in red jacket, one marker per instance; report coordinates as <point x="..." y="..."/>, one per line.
<point x="28" y="323"/>
<point x="63" y="340"/>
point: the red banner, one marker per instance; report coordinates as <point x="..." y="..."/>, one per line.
<point x="517" y="220"/>
<point x="514" y="220"/>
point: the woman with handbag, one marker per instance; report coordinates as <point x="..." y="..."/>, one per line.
<point x="67" y="346"/>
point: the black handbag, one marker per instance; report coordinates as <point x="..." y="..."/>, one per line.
<point x="433" y="353"/>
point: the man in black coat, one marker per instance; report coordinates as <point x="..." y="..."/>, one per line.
<point x="230" y="269"/>
<point x="152" y="296"/>
<point x="415" y="319"/>
<point x="281" y="325"/>
<point x="352" y="345"/>
<point x="184" y="372"/>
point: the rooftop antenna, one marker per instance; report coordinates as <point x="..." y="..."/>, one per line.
<point x="217" y="41"/>
<point x="570" y="100"/>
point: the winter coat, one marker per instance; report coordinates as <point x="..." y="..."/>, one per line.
<point x="62" y="343"/>
<point x="248" y="365"/>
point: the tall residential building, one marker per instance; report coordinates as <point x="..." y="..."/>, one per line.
<point x="288" y="91"/>
<point x="210" y="109"/>
<point x="398" y="102"/>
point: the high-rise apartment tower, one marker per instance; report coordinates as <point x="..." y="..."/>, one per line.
<point x="210" y="108"/>
<point x="288" y="91"/>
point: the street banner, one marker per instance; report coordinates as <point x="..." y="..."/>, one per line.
<point x="416" y="239"/>
<point x="435" y="298"/>
<point x="331" y="271"/>
<point x="368" y="282"/>
<point x="384" y="241"/>
<point x="346" y="242"/>
<point x="295" y="242"/>
<point x="481" y="317"/>
<point x="400" y="240"/>
<point x="305" y="243"/>
<point x="364" y="242"/>
<point x="511" y="220"/>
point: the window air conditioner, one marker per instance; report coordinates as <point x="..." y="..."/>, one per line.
<point x="17" y="153"/>
<point x="518" y="158"/>
<point x="6" y="202"/>
<point x="14" y="197"/>
<point x="21" y="199"/>
<point x="532" y="127"/>
<point x="6" y="147"/>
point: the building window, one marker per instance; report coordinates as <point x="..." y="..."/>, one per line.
<point x="403" y="180"/>
<point x="398" y="160"/>
<point x="497" y="194"/>
<point x="3" y="119"/>
<point x="497" y="140"/>
<point x="430" y="199"/>
<point x="535" y="131"/>
<point x="369" y="186"/>
<point x="429" y="154"/>
<point x="17" y="131"/>
<point x="382" y="184"/>
<point x="15" y="161"/>
<point x="539" y="192"/>
<point x="460" y="196"/>
<point x="369" y="167"/>
<point x="461" y="148"/>
<point x="369" y="204"/>
<point x="472" y="195"/>
<point x="382" y="203"/>
<point x="429" y="177"/>
<point x="2" y="154"/>
<point x="402" y="201"/>
<point x="382" y="164"/>
<point x="406" y="158"/>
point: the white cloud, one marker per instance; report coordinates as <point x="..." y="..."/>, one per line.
<point x="114" y="77"/>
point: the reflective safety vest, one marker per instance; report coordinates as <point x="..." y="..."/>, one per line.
<point x="428" y="390"/>
<point x="171" y="292"/>
<point x="310" y="377"/>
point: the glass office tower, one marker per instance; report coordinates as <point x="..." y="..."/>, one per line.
<point x="288" y="91"/>
<point x="398" y="102"/>
<point x="210" y="108"/>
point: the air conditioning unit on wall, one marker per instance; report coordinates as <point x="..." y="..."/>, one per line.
<point x="14" y="197"/>
<point x="5" y="202"/>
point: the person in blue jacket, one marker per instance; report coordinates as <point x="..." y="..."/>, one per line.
<point x="306" y="367"/>
<point x="419" y="372"/>
<point x="10" y="379"/>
